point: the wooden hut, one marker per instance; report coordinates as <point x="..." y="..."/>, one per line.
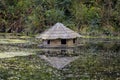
<point x="59" y="36"/>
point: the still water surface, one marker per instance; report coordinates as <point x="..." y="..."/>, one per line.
<point x="95" y="59"/>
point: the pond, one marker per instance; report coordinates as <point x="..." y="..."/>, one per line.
<point x="95" y="59"/>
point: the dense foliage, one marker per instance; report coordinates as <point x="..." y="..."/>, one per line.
<point x="91" y="17"/>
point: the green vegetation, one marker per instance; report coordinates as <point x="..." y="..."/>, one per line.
<point x="15" y="46"/>
<point x="19" y="60"/>
<point x="95" y="66"/>
<point x="13" y="54"/>
<point x="12" y="41"/>
<point x="97" y="20"/>
<point x="27" y="68"/>
<point x="88" y="17"/>
<point x="90" y="65"/>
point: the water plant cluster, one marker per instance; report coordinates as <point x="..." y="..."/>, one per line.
<point x="97" y="61"/>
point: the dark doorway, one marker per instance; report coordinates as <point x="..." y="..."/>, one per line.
<point x="63" y="41"/>
<point x="48" y="42"/>
<point x="74" y="41"/>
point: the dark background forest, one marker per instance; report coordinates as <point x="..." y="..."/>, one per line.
<point x="88" y="17"/>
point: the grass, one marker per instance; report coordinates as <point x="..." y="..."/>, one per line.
<point x="27" y="68"/>
<point x="25" y="37"/>
<point x="12" y="41"/>
<point x="13" y="54"/>
<point x="2" y="55"/>
<point x="95" y="63"/>
<point x="94" y="66"/>
<point x="102" y="37"/>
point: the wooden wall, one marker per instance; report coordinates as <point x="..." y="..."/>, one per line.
<point x="57" y="43"/>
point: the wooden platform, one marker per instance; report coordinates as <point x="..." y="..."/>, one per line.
<point x="59" y="47"/>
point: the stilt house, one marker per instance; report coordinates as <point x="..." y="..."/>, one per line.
<point x="59" y="36"/>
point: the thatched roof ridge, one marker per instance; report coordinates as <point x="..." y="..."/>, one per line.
<point x="59" y="31"/>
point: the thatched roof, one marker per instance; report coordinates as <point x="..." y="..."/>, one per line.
<point x="59" y="31"/>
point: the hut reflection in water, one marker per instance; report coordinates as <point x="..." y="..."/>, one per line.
<point x="58" y="58"/>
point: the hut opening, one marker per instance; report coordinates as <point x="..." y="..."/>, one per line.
<point x="74" y="40"/>
<point x="63" y="41"/>
<point x="59" y="36"/>
<point x="48" y="42"/>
